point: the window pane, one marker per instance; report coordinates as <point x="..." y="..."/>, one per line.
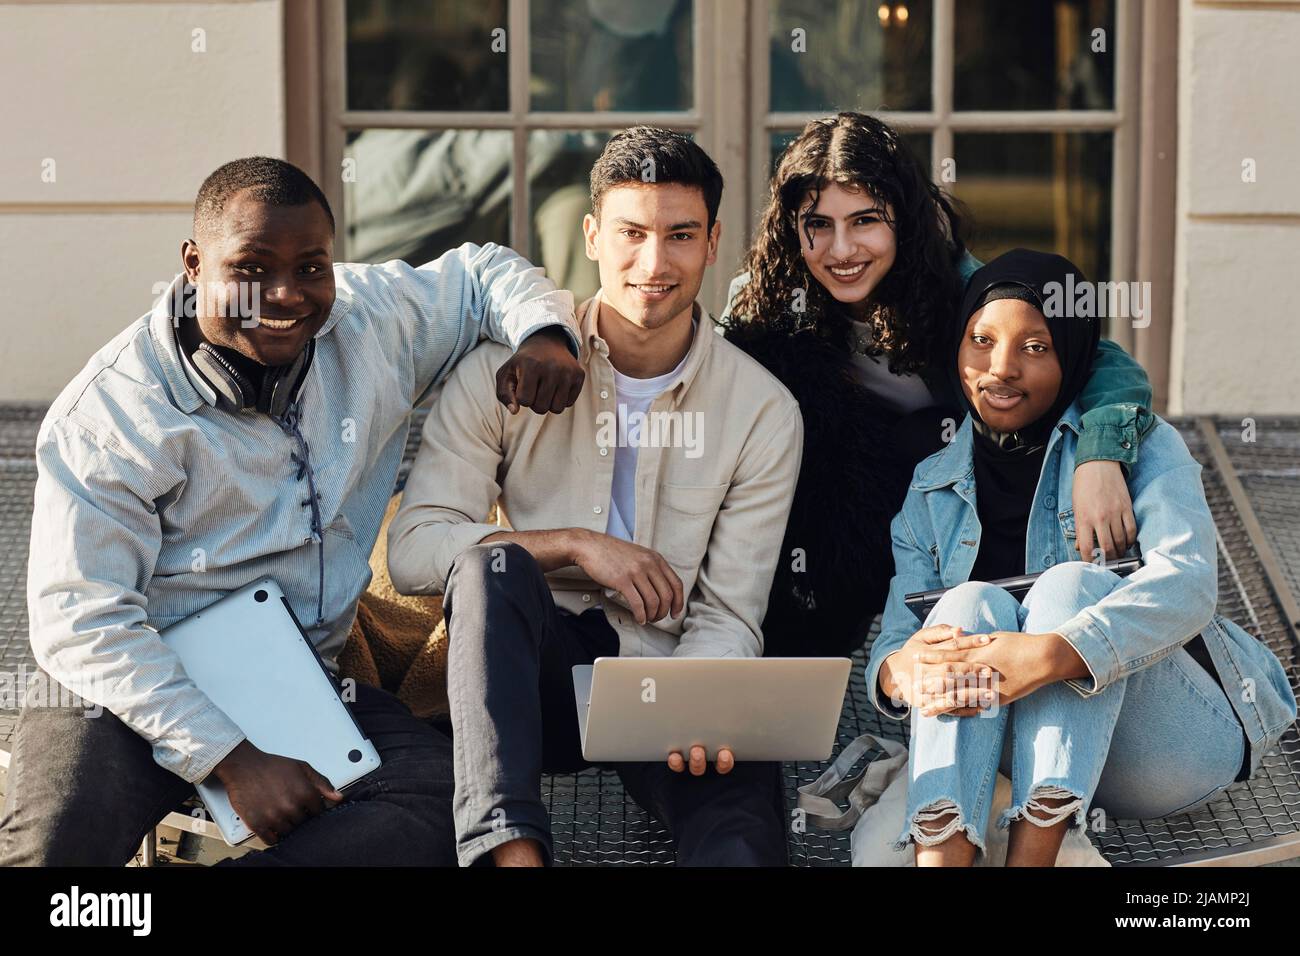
<point x="919" y="143"/>
<point x="1047" y="191"/>
<point x="426" y="55"/>
<point x="611" y="55"/>
<point x="1034" y="55"/>
<point x="849" y="55"/>
<point x="418" y="193"/>
<point x="559" y="176"/>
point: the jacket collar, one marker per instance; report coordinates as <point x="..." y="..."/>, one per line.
<point x="589" y="311"/>
<point x="956" y="462"/>
<point x="162" y="330"/>
<point x="187" y="387"/>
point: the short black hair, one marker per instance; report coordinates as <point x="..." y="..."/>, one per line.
<point x="273" y="181"/>
<point x="647" y="154"/>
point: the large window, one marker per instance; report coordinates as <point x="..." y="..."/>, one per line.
<point x="1014" y="104"/>
<point x="479" y="119"/>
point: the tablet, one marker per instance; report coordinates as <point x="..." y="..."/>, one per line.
<point x="250" y="655"/>
<point x="759" y="708"/>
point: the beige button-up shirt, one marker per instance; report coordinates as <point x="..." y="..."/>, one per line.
<point x="715" y="477"/>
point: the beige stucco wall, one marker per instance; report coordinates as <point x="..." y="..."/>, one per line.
<point x="134" y="118"/>
<point x="1236" y="341"/>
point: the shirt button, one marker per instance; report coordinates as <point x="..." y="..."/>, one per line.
<point x="1126" y="444"/>
<point x="1049" y="502"/>
<point x="586" y="599"/>
<point x="604" y="451"/>
<point x="604" y="393"/>
<point x="1048" y="561"/>
<point x="596" y="510"/>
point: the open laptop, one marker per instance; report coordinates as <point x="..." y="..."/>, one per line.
<point x="251" y="656"/>
<point x="760" y="708"/>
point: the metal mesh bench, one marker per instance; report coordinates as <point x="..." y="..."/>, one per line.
<point x="1254" y="493"/>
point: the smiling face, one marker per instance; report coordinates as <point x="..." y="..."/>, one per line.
<point x="289" y="252"/>
<point x="652" y="244"/>
<point x="852" y="243"/>
<point x="1009" y="369"/>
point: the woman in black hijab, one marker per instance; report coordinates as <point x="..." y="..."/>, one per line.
<point x="1007" y="463"/>
<point x="1089" y="688"/>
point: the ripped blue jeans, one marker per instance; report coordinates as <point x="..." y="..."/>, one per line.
<point x="1157" y="742"/>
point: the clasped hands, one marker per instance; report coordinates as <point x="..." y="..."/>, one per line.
<point x="944" y="670"/>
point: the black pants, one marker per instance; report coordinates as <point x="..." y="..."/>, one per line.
<point x="510" y="682"/>
<point x="84" y="791"/>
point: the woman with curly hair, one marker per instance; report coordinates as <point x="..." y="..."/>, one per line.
<point x="850" y="294"/>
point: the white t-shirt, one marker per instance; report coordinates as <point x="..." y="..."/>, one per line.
<point x="633" y="397"/>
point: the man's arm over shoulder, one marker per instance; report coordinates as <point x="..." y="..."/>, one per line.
<point x="453" y="481"/>
<point x="95" y="540"/>
<point x="447" y="306"/>
<point x="724" y="615"/>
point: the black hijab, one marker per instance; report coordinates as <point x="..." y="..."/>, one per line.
<point x="1008" y="464"/>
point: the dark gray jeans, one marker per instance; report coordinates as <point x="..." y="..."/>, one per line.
<point x="510" y="683"/>
<point x="84" y="791"/>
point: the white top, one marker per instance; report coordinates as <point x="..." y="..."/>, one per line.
<point x="903" y="393"/>
<point x="633" y="398"/>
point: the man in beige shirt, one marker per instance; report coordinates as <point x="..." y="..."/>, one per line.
<point x="645" y="521"/>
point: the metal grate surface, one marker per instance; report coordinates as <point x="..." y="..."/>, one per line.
<point x="594" y="822"/>
<point x="1265" y="454"/>
<point x="18" y="427"/>
<point x="1267" y="805"/>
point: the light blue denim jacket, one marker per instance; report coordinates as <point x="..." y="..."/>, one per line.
<point x="1154" y="611"/>
<point x="151" y="503"/>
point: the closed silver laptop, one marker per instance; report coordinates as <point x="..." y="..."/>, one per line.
<point x="249" y="654"/>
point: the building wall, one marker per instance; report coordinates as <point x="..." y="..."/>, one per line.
<point x="133" y="117"/>
<point x="1235" y="344"/>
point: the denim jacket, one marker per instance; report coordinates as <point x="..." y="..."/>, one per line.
<point x="151" y="503"/>
<point x="1156" y="609"/>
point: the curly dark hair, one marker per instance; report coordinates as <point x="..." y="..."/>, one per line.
<point x="915" y="301"/>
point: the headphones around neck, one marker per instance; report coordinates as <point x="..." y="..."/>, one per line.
<point x="237" y="392"/>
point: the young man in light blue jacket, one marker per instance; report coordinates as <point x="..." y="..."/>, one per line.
<point x="204" y="448"/>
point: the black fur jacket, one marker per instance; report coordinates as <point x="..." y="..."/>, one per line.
<point x="836" y="561"/>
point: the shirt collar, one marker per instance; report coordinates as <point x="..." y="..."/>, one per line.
<point x="957" y="461"/>
<point x="342" y="301"/>
<point x="701" y="342"/>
